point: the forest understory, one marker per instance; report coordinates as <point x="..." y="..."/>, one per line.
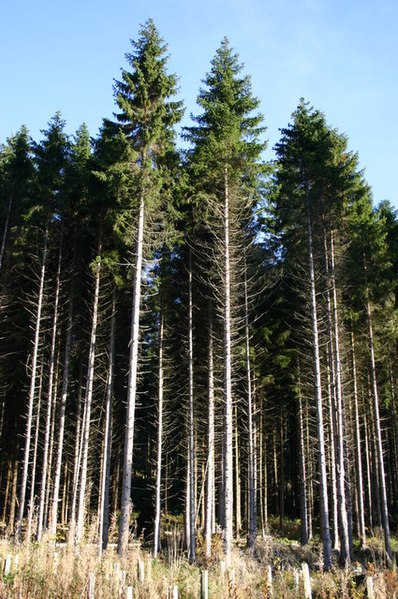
<point x="275" y="567"/>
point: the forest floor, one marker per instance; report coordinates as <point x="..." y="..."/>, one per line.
<point x="276" y="567"/>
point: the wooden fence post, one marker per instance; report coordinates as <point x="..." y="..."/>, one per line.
<point x="173" y="592"/>
<point x="370" y="587"/>
<point x="141" y="571"/>
<point x="90" y="586"/>
<point x="7" y="565"/>
<point x="307" y="580"/>
<point x="129" y="593"/>
<point x="204" y="585"/>
<point x="269" y="581"/>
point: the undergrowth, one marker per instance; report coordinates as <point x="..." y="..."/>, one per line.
<point x="272" y="568"/>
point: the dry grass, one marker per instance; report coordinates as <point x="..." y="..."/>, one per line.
<point x="56" y="571"/>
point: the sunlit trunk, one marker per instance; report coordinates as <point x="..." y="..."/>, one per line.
<point x="228" y="406"/>
<point x="61" y="420"/>
<point x="345" y="544"/>
<point x="106" y="455"/>
<point x="31" y="505"/>
<point x="159" y="451"/>
<point x="302" y="472"/>
<point x="378" y="439"/>
<point x="125" y="504"/>
<point x="323" y="491"/>
<point x="86" y="428"/>
<point x="358" y="451"/>
<point x="252" y="524"/>
<point x="191" y="431"/>
<point x="32" y="390"/>
<point x="50" y="392"/>
<point x="209" y="519"/>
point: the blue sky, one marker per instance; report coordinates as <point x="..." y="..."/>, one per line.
<point x="340" y="56"/>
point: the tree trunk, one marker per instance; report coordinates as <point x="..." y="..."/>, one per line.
<point x="77" y="458"/>
<point x="125" y="505"/>
<point x="310" y="470"/>
<point x="51" y="443"/>
<point x="332" y="438"/>
<point x="115" y="485"/>
<point x="374" y="466"/>
<point x="393" y="432"/>
<point x="32" y="390"/>
<point x="302" y="471"/>
<point x="368" y="475"/>
<point x="238" y="494"/>
<point x="31" y="507"/>
<point x="44" y="474"/>
<point x="65" y="492"/>
<point x="188" y="505"/>
<point x="228" y="420"/>
<point x="13" y="501"/>
<point x="323" y="491"/>
<point x="345" y="540"/>
<point x="378" y="439"/>
<point x="88" y="404"/>
<point x="191" y="424"/>
<point x="358" y="451"/>
<point x="252" y="523"/>
<point x="7" y="492"/>
<point x="106" y="456"/>
<point x="263" y="468"/>
<point x="61" y="420"/>
<point x="156" y="532"/>
<point x="332" y="406"/>
<point x="209" y="524"/>
<point x="281" y="475"/>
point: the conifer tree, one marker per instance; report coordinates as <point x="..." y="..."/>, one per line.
<point x="370" y="268"/>
<point x="310" y="193"/>
<point x="16" y="178"/>
<point x="74" y="227"/>
<point x="146" y="118"/>
<point x="42" y="217"/>
<point x="16" y="187"/>
<point x="225" y="167"/>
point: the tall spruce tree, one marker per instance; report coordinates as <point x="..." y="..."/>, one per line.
<point x="16" y="184"/>
<point x="225" y="167"/>
<point x="370" y="266"/>
<point x="76" y="252"/>
<point x="41" y="228"/>
<point x="146" y="117"/>
<point x="314" y="176"/>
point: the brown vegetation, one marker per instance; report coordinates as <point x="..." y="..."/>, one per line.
<point x="273" y="568"/>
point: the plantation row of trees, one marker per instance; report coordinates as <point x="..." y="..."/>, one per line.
<point x="195" y="332"/>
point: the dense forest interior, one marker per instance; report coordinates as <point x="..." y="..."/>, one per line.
<point x="196" y="339"/>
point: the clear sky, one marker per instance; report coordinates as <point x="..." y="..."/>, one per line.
<point x="341" y="56"/>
